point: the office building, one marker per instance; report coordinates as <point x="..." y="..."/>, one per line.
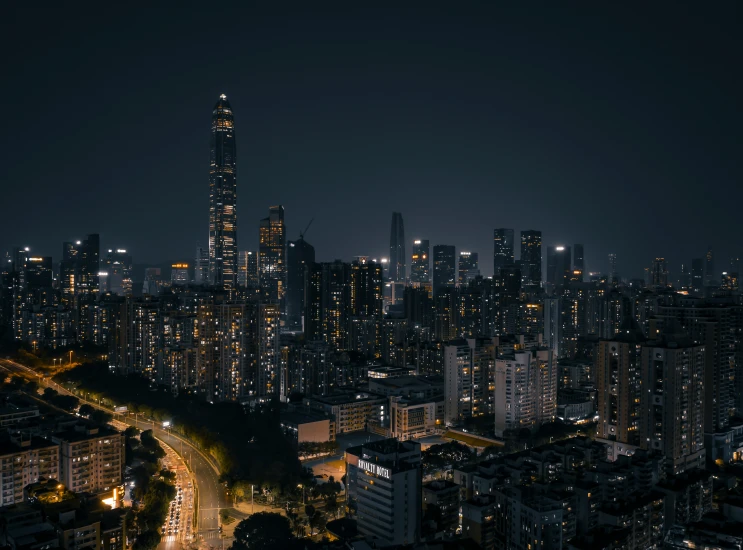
<point x="24" y="460"/>
<point x="578" y="263"/>
<point x="531" y="259"/>
<point x="299" y="255"/>
<point x="247" y="269"/>
<point x="420" y="263"/>
<point x="672" y="419"/>
<point x="91" y="458"/>
<point x="525" y="390"/>
<point x="469" y="267"/>
<point x="201" y="266"/>
<point x="397" y="260"/>
<point x="502" y="249"/>
<point x="444" y="267"/>
<point x="223" y="197"/>
<point x="179" y="274"/>
<point x="80" y="283"/>
<point x="384" y="481"/>
<point x="118" y="266"/>
<point x="272" y="255"/>
<point x="559" y="265"/>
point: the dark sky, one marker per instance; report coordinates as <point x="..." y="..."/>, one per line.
<point x="613" y="126"/>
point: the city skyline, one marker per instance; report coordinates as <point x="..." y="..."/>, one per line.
<point x="473" y="146"/>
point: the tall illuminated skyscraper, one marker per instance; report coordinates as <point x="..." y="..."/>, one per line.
<point x="223" y="198"/>
<point x="272" y="254"/>
<point x="444" y="267"/>
<point x="469" y="267"/>
<point x="502" y="249"/>
<point x="419" y="266"/>
<point x="531" y="259"/>
<point x="397" y="249"/>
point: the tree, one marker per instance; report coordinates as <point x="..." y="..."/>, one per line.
<point x="331" y="505"/>
<point x="263" y="531"/>
<point x="310" y="512"/>
<point x="224" y="515"/>
<point x="86" y="410"/>
<point x="148" y="540"/>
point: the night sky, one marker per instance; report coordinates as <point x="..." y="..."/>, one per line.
<point x="616" y="127"/>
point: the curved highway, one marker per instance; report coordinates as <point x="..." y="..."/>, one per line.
<point x="211" y="494"/>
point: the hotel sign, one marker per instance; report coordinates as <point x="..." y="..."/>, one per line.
<point x="375" y="469"/>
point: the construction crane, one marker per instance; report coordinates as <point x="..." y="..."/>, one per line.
<point x="303" y="233"/>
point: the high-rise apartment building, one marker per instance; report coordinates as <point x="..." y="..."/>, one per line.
<point x="444" y="267"/>
<point x="469" y="267"/>
<point x="525" y="390"/>
<point x="367" y="288"/>
<point x="266" y="382"/>
<point x="328" y="303"/>
<point x="502" y="249"/>
<point x="469" y="367"/>
<point x="618" y="369"/>
<point x="91" y="458"/>
<point x="397" y="249"/>
<point x="299" y="255"/>
<point x="24" y="460"/>
<point x="672" y="401"/>
<point x="80" y="283"/>
<point x="420" y="262"/>
<point x="272" y="255"/>
<point x="531" y="259"/>
<point x="223" y="197"/>
<point x="384" y="480"/>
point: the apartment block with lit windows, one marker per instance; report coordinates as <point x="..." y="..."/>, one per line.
<point x="91" y="458"/>
<point x="24" y="461"/>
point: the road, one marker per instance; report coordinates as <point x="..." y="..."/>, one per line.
<point x="211" y="494"/>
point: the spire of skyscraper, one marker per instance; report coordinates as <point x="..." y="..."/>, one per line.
<point x="223" y="198"/>
<point x="397" y="249"/>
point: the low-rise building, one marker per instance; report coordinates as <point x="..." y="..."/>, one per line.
<point x="443" y="494"/>
<point x="351" y="410"/>
<point x="308" y="428"/>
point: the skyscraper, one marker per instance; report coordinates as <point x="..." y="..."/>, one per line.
<point x="697" y="276"/>
<point x="710" y="278"/>
<point x="444" y="267"/>
<point x="469" y="267"/>
<point x="502" y="249"/>
<point x="419" y="266"/>
<point x="531" y="259"/>
<point x="578" y="263"/>
<point x="659" y="273"/>
<point x="118" y="266"/>
<point x="299" y="255"/>
<point x="201" y="266"/>
<point x="271" y="254"/>
<point x="397" y="249"/>
<point x="558" y="265"/>
<point x="613" y="268"/>
<point x="247" y="269"/>
<point x="223" y="198"/>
